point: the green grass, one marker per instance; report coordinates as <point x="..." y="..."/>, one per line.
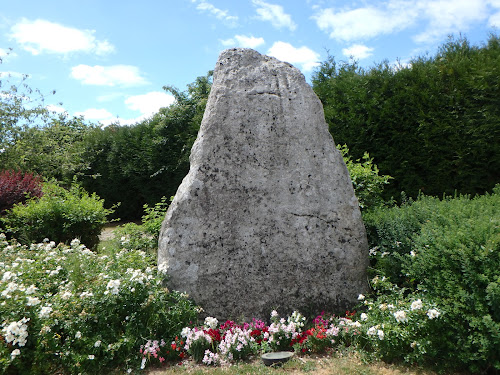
<point x="338" y="364"/>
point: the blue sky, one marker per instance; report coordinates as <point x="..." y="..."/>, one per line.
<point x="109" y="59"/>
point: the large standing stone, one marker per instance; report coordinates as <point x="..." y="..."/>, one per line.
<point x="267" y="217"/>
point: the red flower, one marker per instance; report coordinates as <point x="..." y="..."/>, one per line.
<point x="214" y="334"/>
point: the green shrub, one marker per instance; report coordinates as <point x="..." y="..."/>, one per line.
<point x="68" y="310"/>
<point x="61" y="215"/>
<point x="145" y="236"/>
<point x="391" y="234"/>
<point x="400" y="326"/>
<point x="366" y="181"/>
<point x="153" y="217"/>
<point x="448" y="251"/>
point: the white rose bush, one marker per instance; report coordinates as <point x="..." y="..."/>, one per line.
<point x="66" y="309"/>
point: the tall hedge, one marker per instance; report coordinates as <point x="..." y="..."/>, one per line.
<point x="141" y="163"/>
<point x="434" y="124"/>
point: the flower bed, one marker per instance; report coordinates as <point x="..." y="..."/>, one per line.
<point x="219" y="344"/>
<point x="67" y="309"/>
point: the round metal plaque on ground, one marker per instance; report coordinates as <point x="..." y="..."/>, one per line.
<point x="276" y="358"/>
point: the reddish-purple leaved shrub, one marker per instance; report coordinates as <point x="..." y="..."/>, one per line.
<point x="17" y="186"/>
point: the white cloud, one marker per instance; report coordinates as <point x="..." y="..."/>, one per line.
<point x="449" y="16"/>
<point x="367" y="22"/>
<point x="220" y="14"/>
<point x="6" y="54"/>
<point x="243" y="41"/>
<point x="16" y="75"/>
<point x="95" y="114"/>
<point x="358" y="51"/>
<point x="114" y="75"/>
<point x="43" y="36"/>
<point x="148" y="104"/>
<point x="494" y="20"/>
<point x="274" y="14"/>
<point x="303" y="56"/>
<point x="55" y="108"/>
<point x="437" y="18"/>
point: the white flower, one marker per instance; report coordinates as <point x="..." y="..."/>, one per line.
<point x="211" y="322"/>
<point x="163" y="268"/>
<point x="185" y="331"/>
<point x="11" y="287"/>
<point x="143" y="363"/>
<point x="91" y="356"/>
<point x="416" y="305"/>
<point x="32" y="301"/>
<point x="380" y="334"/>
<point x="86" y="294"/>
<point x="400" y="316"/>
<point x="31" y="289"/>
<point x="210" y="358"/>
<point x="364" y="317"/>
<point x="413" y="344"/>
<point x="412" y="253"/>
<point x="274" y="314"/>
<point x="66" y="295"/>
<point x="97" y="343"/>
<point x="371" y="331"/>
<point x="433" y="313"/>
<point x="75" y="242"/>
<point x="8" y="275"/>
<point x="45" y="312"/>
<point x="78" y="335"/>
<point x="17" y="332"/>
<point x="361" y="297"/>
<point x="15" y="353"/>
<point x="113" y="286"/>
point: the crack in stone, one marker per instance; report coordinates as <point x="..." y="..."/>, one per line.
<point x="330" y="222"/>
<point x="261" y="92"/>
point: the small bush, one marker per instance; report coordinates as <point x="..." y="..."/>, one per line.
<point x="67" y="310"/>
<point x="144" y="236"/>
<point x="60" y="215"/>
<point x="367" y="183"/>
<point x="448" y="251"/>
<point x="391" y="233"/>
<point x="153" y="217"/>
<point x="17" y="187"/>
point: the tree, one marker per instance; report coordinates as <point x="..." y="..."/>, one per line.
<point x="20" y="107"/>
<point x="54" y="150"/>
<point x="432" y="125"/>
<point x="141" y="163"/>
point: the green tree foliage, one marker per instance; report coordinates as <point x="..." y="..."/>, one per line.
<point x="139" y="164"/>
<point x="20" y="107"/>
<point x="54" y="149"/>
<point x="433" y="125"/>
